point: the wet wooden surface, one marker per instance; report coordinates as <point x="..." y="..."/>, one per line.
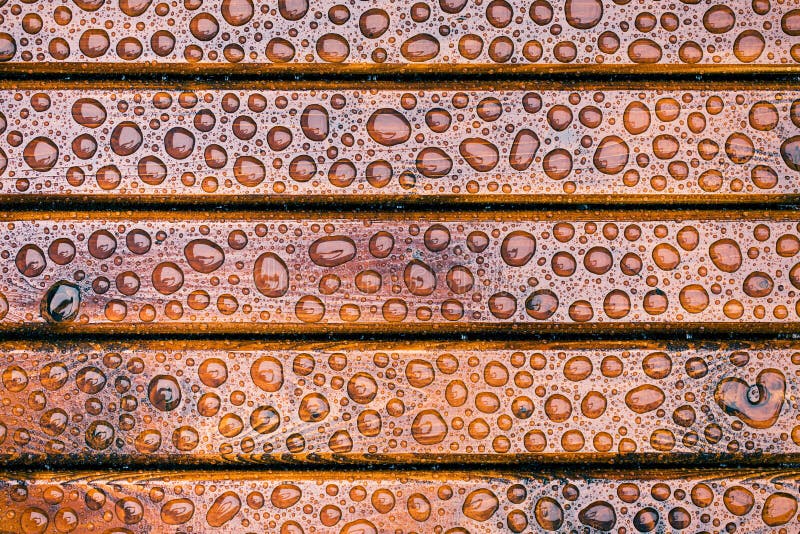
<point x="297" y="35"/>
<point x="367" y="503"/>
<point x="617" y="143"/>
<point x="197" y="403"/>
<point x="246" y="272"/>
<point x="581" y="172"/>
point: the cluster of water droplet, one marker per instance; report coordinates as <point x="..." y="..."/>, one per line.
<point x="368" y="505"/>
<point x="347" y="271"/>
<point x="399" y="143"/>
<point x="228" y="406"/>
<point x="448" y="31"/>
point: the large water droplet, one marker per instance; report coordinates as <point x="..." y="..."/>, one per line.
<point x="388" y="127"/>
<point x="271" y="275"/>
<point x="61" y="302"/>
<point x="164" y="393"/>
<point x="204" y="256"/>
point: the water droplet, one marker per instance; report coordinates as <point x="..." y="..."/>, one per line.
<point x="549" y="514"/>
<point x="223" y="509"/>
<point x="599" y="515"/>
<point x="179" y="142"/>
<point x="758" y="406"/>
<point x="429" y="428"/>
<point x="419" y="278"/>
<point x="420" y="48"/>
<point x="164" y="393"/>
<point x="719" y="19"/>
<point x="167" y="278"/>
<point x="434" y="162"/>
<point x="330" y="251"/>
<point x="204" y="256"/>
<point x="285" y="496"/>
<point x="271" y="275"/>
<point x="265" y="420"/>
<point x="583" y="14"/>
<point x="314" y="122"/>
<point x="41" y="154"/>
<point x="480" y="505"/>
<point x="523" y="149"/>
<point x="541" y="304"/>
<point x="313" y="408"/>
<point x="237" y="12"/>
<point x="693" y="298"/>
<point x="177" y="511"/>
<point x="780" y="508"/>
<point x="611" y="155"/>
<point x="479" y="153"/>
<point x="748" y="46"/>
<point x="88" y="112"/>
<point x="517" y="248"/>
<point x="61" y="303"/>
<point x="644" y="51"/>
<point x="644" y="398"/>
<point x="362" y="388"/>
<point x="388" y="127"/>
<point x="790" y="152"/>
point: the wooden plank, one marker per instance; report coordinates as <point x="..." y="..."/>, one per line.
<point x="201" y="403"/>
<point x="367" y="503"/>
<point x="290" y="272"/>
<point x="596" y="143"/>
<point x="301" y="36"/>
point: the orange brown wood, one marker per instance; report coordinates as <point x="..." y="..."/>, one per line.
<point x="620" y="143"/>
<point x="235" y="272"/>
<point x="229" y="36"/>
<point x="200" y="403"/>
<point x="715" y="500"/>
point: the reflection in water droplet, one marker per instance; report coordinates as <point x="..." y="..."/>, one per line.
<point x="479" y="153"/>
<point x="517" y="248"/>
<point x="420" y="48"/>
<point x="599" y="515"/>
<point x="40" y="154"/>
<point x="61" y="303"/>
<point x="330" y="251"/>
<point x="271" y="275"/>
<point x="480" y="505"/>
<point x="388" y="127"/>
<point x="429" y="428"/>
<point x="583" y="14"/>
<point x="164" y="393"/>
<point x="223" y="509"/>
<point x="204" y="256"/>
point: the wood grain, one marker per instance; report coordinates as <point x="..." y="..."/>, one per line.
<point x="620" y="143"/>
<point x="509" y="35"/>
<point x="202" y="403"/>
<point x="277" y="272"/>
<point x="367" y="503"/>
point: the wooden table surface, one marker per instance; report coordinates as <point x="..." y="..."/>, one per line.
<point x="406" y="267"/>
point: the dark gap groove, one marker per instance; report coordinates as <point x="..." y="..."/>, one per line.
<point x="400" y="74"/>
<point x="324" y="205"/>
<point x="495" y="335"/>
<point x="522" y="467"/>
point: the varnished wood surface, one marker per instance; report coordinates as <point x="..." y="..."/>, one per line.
<point x="301" y="36"/>
<point x="351" y="143"/>
<point x="279" y="272"/>
<point x="367" y="503"/>
<point x="361" y="403"/>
